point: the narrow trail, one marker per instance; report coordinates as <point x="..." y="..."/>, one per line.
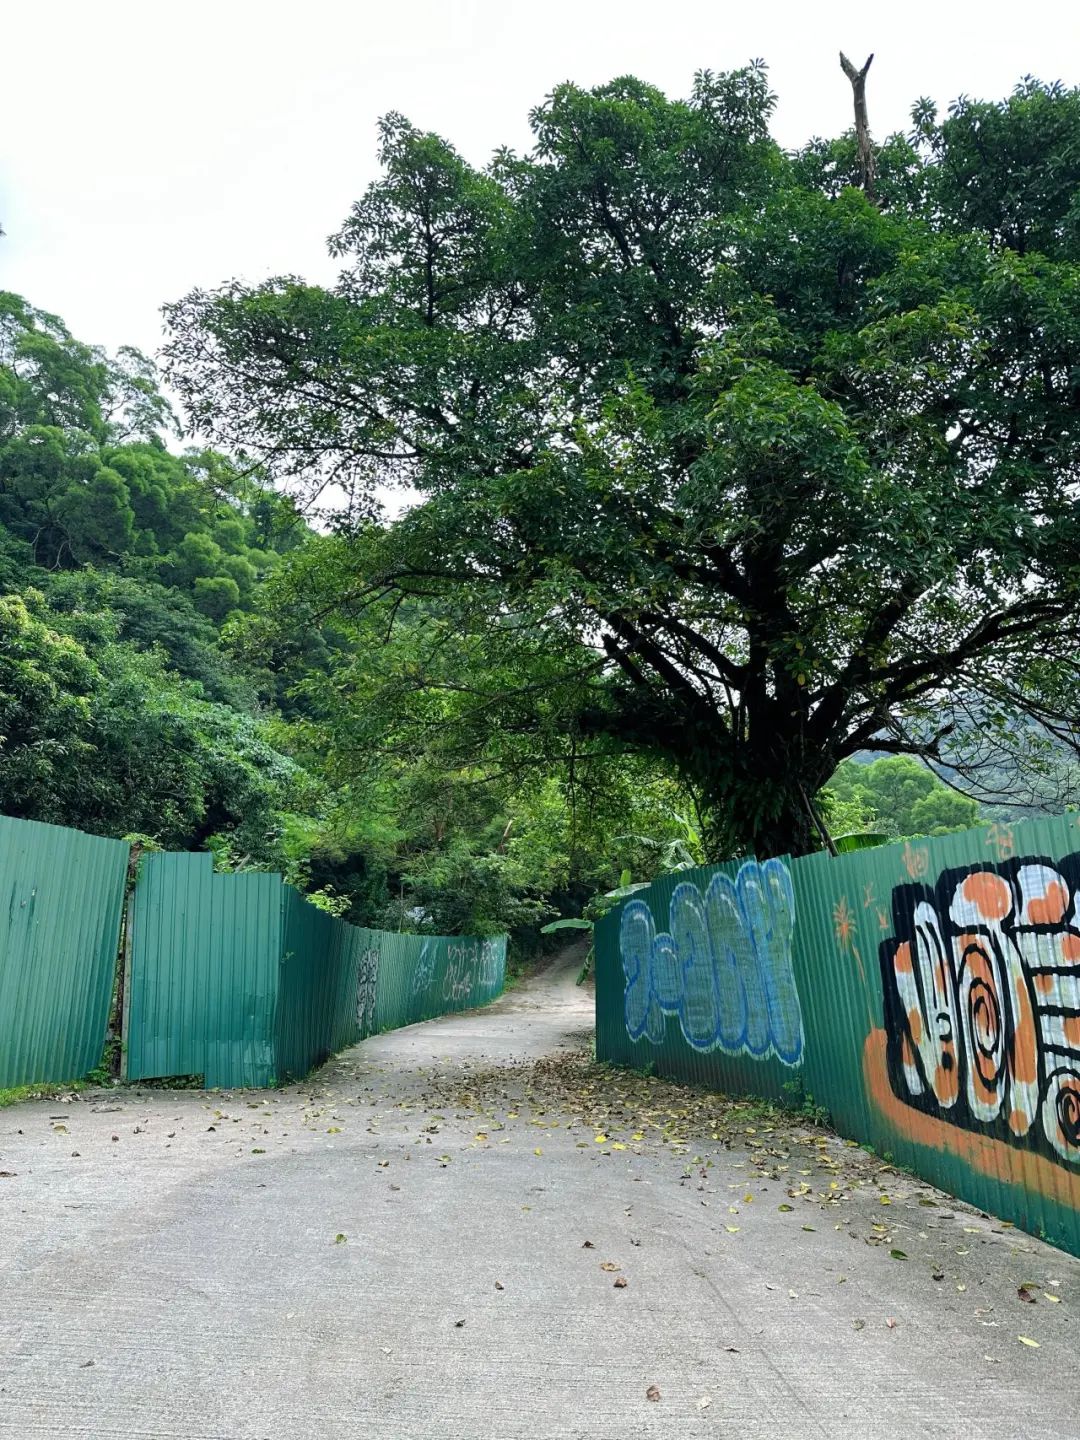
<point x="425" y="1239"/>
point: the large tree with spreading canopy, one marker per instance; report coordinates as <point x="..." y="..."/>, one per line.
<point x="749" y="459"/>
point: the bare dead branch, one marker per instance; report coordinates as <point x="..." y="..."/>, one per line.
<point x="867" y="161"/>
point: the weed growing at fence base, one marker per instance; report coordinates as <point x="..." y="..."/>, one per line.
<point x="16" y="1094"/>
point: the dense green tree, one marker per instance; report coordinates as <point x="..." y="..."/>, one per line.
<point x="716" y="459"/>
<point x="126" y="706"/>
<point x="46" y="683"/>
<point x="98" y="606"/>
<point x="899" y="797"/>
<point x="114" y="743"/>
<point x="86" y="479"/>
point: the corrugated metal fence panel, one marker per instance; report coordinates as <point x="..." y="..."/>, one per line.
<point x="943" y="981"/>
<point x="61" y="899"/>
<point x="240" y="979"/>
<point x="203" y="977"/>
<point x="693" y="978"/>
<point x="420" y="977"/>
<point x="318" y="994"/>
<point x="927" y="994"/>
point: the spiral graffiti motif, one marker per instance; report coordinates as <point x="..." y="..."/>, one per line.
<point x="982" y="1001"/>
<point x="723" y="967"/>
<point x="1061" y="1113"/>
<point x="982" y="1007"/>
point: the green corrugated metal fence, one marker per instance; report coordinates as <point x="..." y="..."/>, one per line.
<point x="202" y="985"/>
<point x="317" y="988"/>
<point x="239" y="979"/>
<point x="420" y="977"/>
<point x="926" y="993"/>
<point x="61" y="898"/>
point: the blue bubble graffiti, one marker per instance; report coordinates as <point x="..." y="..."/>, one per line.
<point x="723" y="967"/>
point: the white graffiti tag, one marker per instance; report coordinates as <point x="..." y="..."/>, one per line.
<point x="367" y="978"/>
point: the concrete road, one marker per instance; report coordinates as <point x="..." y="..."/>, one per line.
<point x="427" y="1239"/>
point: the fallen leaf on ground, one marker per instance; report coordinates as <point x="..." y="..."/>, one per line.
<point x="652" y="1393"/>
<point x="1023" y="1293"/>
<point x="898" y="1254"/>
<point x="1025" y="1340"/>
<point x="608" y="1265"/>
<point x="621" y="1282"/>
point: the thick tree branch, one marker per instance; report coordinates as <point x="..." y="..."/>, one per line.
<point x="867" y="162"/>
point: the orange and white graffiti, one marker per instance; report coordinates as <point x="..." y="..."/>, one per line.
<point x="982" y="1001"/>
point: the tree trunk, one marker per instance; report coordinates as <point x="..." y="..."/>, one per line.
<point x="764" y="805"/>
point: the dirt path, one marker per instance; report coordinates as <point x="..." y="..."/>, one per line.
<point x="427" y="1239"/>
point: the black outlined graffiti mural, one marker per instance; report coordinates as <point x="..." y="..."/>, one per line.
<point x="982" y="1001"/>
<point x="367" y="979"/>
<point x="723" y="967"/>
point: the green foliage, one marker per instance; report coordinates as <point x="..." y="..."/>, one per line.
<point x="115" y="743"/>
<point x="860" y="840"/>
<point x="152" y="684"/>
<point x="119" y="710"/>
<point x="899" y="797"/>
<point x="717" y="463"/>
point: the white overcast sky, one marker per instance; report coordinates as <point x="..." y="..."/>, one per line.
<point x="149" y="147"/>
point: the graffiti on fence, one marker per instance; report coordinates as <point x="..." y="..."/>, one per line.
<point x="424" y="973"/>
<point x="723" y="966"/>
<point x="492" y="963"/>
<point x="458" y="979"/>
<point x="982" y="1001"/>
<point x="470" y="963"/>
<point x="367" y="977"/>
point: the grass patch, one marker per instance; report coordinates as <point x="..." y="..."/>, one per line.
<point x="16" y="1094"/>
